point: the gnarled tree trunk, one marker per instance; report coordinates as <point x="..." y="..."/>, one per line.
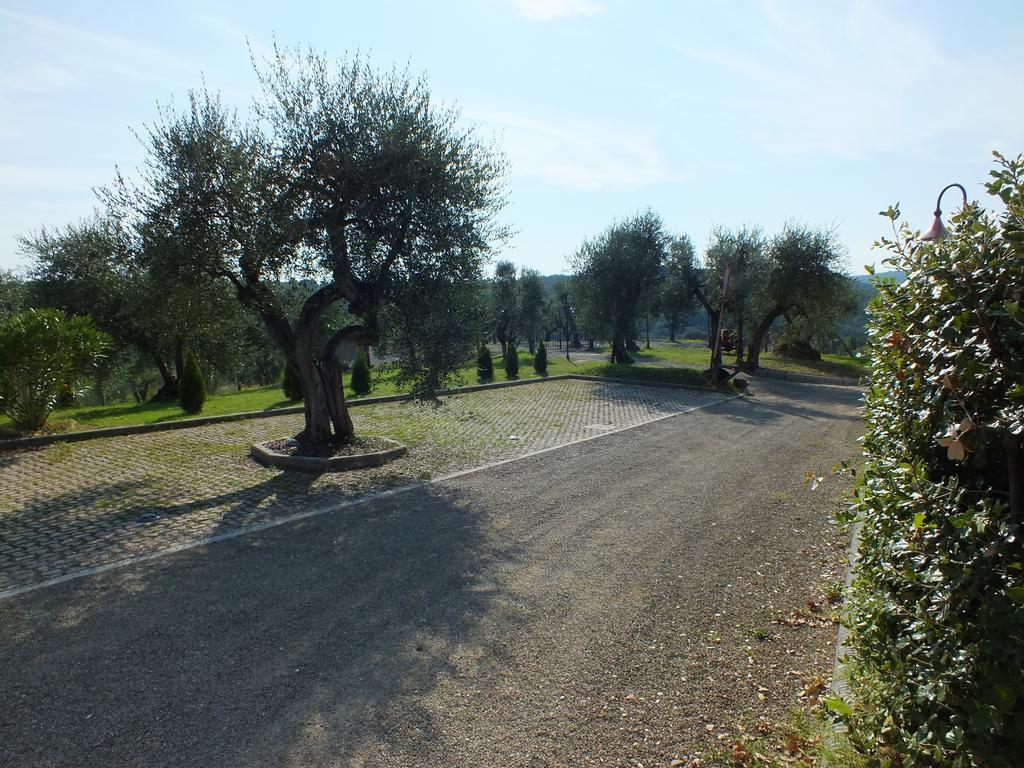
<point x="168" y="381"/>
<point x="620" y="352"/>
<point x="756" y="341"/>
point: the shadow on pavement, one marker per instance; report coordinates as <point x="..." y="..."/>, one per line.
<point x="766" y="402"/>
<point x="289" y="646"/>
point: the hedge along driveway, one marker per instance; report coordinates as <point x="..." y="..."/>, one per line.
<point x="74" y="506"/>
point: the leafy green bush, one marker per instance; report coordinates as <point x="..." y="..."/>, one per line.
<point x="192" y="387"/>
<point x="512" y="364"/>
<point x="484" y="364"/>
<point x="361" y="373"/>
<point x="291" y="384"/>
<point x="45" y="355"/>
<point x="937" y="607"/>
<point x="540" y="360"/>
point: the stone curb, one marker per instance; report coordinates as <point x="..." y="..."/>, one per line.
<point x="272" y="458"/>
<point x="38" y="441"/>
<point x="840" y="686"/>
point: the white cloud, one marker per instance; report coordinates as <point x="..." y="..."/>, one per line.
<point x="543" y="10"/>
<point x="850" y="80"/>
<point x="65" y="56"/>
<point x="580" y="154"/>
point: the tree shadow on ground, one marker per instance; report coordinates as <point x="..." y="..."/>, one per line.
<point x="305" y="644"/>
<point x="804" y="401"/>
<point x="105" y="522"/>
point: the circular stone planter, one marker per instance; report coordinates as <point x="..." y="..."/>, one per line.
<point x="276" y="458"/>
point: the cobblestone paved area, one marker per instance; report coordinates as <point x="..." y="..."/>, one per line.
<point x="79" y="505"/>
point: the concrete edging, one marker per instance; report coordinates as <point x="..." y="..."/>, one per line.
<point x="271" y="458"/>
<point x="840" y="686"/>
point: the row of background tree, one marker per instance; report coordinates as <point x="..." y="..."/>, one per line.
<point x="154" y="317"/>
<point x="634" y="281"/>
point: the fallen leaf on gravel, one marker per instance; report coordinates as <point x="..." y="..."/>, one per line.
<point x="813" y="687"/>
<point x="798" y="618"/>
<point x="739" y="754"/>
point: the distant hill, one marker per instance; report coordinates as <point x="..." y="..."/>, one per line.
<point x="551" y="282"/>
<point x="866" y="278"/>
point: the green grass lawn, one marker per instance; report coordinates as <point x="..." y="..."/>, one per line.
<point x="699" y="357"/>
<point x="684" y="364"/>
<point x="82" y="417"/>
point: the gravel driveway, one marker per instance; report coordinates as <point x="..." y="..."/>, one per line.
<point x="619" y="614"/>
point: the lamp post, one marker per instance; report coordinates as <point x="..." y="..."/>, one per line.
<point x="938" y="230"/>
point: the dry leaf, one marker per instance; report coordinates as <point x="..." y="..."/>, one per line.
<point x="955" y="450"/>
<point x="813" y="687"/>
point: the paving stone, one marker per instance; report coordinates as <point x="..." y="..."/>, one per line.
<point x="78" y="505"/>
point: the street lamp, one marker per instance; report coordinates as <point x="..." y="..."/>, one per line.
<point x="938" y="229"/>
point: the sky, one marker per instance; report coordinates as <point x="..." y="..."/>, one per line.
<point x="713" y="114"/>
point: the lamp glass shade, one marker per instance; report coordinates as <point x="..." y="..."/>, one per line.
<point x="937" y="231"/>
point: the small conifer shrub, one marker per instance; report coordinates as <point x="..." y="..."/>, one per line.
<point x="540" y="360"/>
<point x="484" y="364"/>
<point x="192" y="387"/>
<point x="291" y="384"/>
<point x="361" y="374"/>
<point x="512" y="364"/>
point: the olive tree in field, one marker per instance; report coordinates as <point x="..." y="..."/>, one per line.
<point x="506" y="306"/>
<point x="801" y="276"/>
<point x="531" y="306"/>
<point x="517" y="306"/>
<point x="118" y="275"/>
<point x="675" y="298"/>
<point x="744" y="253"/>
<point x="616" y="273"/>
<point x="698" y="281"/>
<point x="12" y="294"/>
<point x="349" y="176"/>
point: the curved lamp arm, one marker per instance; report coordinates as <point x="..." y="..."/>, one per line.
<point x="938" y="230"/>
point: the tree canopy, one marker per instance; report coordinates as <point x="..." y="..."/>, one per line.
<point x="801" y="275"/>
<point x="349" y="176"/>
<point x="617" y="272"/>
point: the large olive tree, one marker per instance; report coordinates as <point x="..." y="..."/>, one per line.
<point x="617" y="272"/>
<point x="743" y="252"/>
<point x="801" y="274"/>
<point x="349" y="176"/>
<point x="675" y="300"/>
